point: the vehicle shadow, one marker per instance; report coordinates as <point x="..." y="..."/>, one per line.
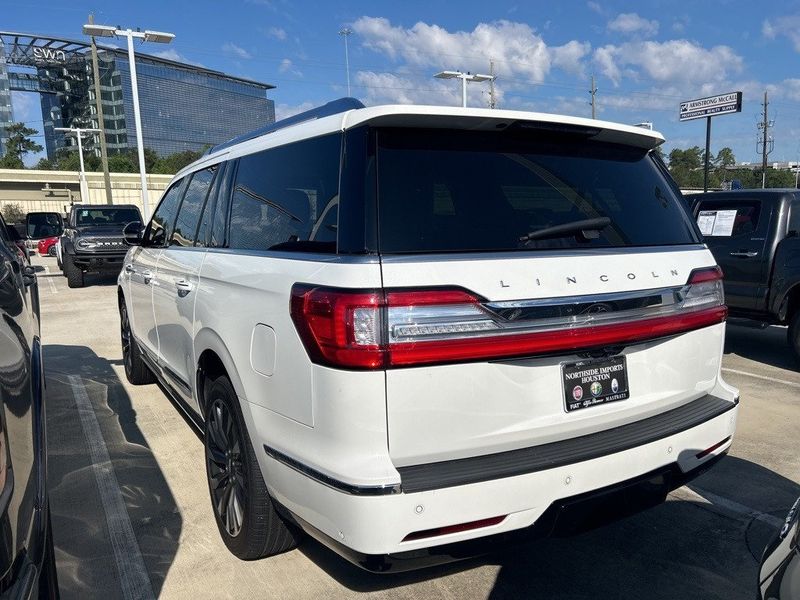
<point x="678" y="549"/>
<point x="768" y="346"/>
<point x="99" y="279"/>
<point x="98" y="527"/>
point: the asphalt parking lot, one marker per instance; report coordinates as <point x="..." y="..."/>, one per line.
<point x="132" y="519"/>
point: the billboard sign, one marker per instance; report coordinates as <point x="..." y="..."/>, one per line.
<point x="712" y="106"/>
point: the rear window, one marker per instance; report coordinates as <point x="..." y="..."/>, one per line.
<point x="454" y="191"/>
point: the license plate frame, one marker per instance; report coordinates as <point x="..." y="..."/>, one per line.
<point x="610" y="373"/>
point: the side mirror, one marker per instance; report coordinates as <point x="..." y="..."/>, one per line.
<point x="133" y="233"/>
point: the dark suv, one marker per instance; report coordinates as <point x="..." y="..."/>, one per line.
<point x="26" y="544"/>
<point x="93" y="240"/>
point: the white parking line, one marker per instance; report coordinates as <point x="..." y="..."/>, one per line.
<point x="53" y="288"/>
<point x="132" y="573"/>
<point x="706" y="497"/>
<point x="763" y="377"/>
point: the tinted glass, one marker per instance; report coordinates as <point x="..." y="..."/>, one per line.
<point x="460" y="191"/>
<point x="745" y="221"/>
<point x="191" y="207"/>
<point x="222" y="203"/>
<point x="160" y="228"/>
<point x="282" y="193"/>
<point x="5" y="234"/>
<point x="207" y="216"/>
<point x="106" y="216"/>
<point x="42" y="225"/>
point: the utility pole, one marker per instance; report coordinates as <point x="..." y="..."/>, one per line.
<point x="766" y="142"/>
<point x="492" y="102"/>
<point x="593" y="92"/>
<point x="98" y="99"/>
<point x="346" y="33"/>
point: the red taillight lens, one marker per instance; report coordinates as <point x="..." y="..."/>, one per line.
<point x="369" y="329"/>
<point x="340" y="327"/>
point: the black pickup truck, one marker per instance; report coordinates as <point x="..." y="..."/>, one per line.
<point x="755" y="237"/>
<point x="92" y="240"/>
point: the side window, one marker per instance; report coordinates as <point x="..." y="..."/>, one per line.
<point x="220" y="217"/>
<point x="160" y="228"/>
<point x="718" y="218"/>
<point x="191" y="207"/>
<point x="794" y="217"/>
<point x="281" y="194"/>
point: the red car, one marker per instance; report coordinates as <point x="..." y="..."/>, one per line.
<point x="47" y="246"/>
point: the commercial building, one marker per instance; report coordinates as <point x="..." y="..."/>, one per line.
<point x="183" y="106"/>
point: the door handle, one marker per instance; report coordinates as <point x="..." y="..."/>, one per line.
<point x="184" y="287"/>
<point x="745" y="254"/>
<point x="129" y="269"/>
<point x="147" y="276"/>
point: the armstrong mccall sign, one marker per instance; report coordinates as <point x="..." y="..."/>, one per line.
<point x="711" y="106"/>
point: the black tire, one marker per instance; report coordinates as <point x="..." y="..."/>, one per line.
<point x="51" y="251"/>
<point x="136" y="370"/>
<point x="793" y="334"/>
<point x="255" y="530"/>
<point x="73" y="273"/>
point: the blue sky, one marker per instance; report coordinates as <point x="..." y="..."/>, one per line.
<point x="646" y="56"/>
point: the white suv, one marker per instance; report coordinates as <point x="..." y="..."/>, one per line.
<point x="400" y="328"/>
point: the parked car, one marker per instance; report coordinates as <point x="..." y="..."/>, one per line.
<point x="92" y="240"/>
<point x="779" y="575"/>
<point x="405" y="328"/>
<point x="755" y="237"/>
<point x="40" y="225"/>
<point x="47" y="246"/>
<point x="27" y="563"/>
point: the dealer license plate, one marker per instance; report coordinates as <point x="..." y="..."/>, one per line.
<point x="592" y="382"/>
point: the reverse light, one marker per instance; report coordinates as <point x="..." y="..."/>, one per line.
<point x="373" y="329"/>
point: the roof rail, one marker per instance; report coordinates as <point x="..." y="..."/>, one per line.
<point x="331" y="108"/>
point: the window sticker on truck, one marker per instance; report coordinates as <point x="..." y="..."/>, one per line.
<point x="716" y="222"/>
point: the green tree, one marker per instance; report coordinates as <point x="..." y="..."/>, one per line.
<point x="45" y="164"/>
<point x="18" y="144"/>
<point x="13" y="213"/>
<point x="122" y="163"/>
<point x="725" y="158"/>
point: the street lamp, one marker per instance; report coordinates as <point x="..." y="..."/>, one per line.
<point x="346" y="33"/>
<point x="78" y="133"/>
<point x="464" y="77"/>
<point x="158" y="37"/>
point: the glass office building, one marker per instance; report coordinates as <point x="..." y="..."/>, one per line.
<point x="183" y="106"/>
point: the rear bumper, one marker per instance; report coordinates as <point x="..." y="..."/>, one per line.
<point x="566" y="516"/>
<point x="370" y="529"/>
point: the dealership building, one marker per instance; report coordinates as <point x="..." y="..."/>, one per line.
<point x="183" y="106"/>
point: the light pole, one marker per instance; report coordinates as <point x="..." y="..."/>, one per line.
<point x="464" y="77"/>
<point x="346" y="33"/>
<point x="78" y="132"/>
<point x="146" y="36"/>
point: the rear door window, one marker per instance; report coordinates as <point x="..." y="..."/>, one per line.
<point x="188" y="218"/>
<point x="456" y="191"/>
<point x="286" y="198"/>
<point x="728" y="218"/>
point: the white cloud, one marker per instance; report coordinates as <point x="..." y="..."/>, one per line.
<point x="172" y="54"/>
<point x="389" y="88"/>
<point x="516" y="48"/>
<point x="674" y="61"/>
<point x="595" y="7"/>
<point x="277" y="32"/>
<point x="788" y="26"/>
<point x="633" y="24"/>
<point x="282" y="111"/>
<point x="237" y="51"/>
<point x="287" y="66"/>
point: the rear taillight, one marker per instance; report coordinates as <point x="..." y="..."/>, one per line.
<point x="369" y="329"/>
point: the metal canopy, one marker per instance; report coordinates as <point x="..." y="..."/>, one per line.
<point x="32" y="50"/>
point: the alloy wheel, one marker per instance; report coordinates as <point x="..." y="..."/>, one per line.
<point x="225" y="467"/>
<point x="125" y="336"/>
